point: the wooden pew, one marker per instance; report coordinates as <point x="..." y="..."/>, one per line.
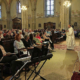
<point x="8" y="44"/>
<point x="56" y="37"/>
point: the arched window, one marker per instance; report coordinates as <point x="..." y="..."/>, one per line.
<point x="19" y="7"/>
<point x="49" y="8"/>
<point x="0" y="12"/>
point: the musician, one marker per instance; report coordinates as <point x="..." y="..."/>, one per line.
<point x="18" y="44"/>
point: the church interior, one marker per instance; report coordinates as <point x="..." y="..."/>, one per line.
<point x="39" y="39"/>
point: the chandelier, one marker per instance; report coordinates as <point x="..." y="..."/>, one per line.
<point x="24" y="8"/>
<point x="67" y="4"/>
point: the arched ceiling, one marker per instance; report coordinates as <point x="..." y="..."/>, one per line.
<point x="7" y="3"/>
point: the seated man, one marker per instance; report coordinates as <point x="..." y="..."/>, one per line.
<point x="75" y="32"/>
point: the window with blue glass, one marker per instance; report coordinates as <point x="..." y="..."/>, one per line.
<point x="49" y="8"/>
<point x="19" y="7"/>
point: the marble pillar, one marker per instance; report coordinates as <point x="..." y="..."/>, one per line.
<point x="64" y="15"/>
<point x="33" y="8"/>
<point x="24" y="14"/>
<point x="9" y="26"/>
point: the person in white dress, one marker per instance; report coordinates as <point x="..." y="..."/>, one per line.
<point x="70" y="38"/>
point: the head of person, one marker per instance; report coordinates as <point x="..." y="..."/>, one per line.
<point x="35" y="35"/>
<point x="30" y="30"/>
<point x="44" y="33"/>
<point x="38" y="34"/>
<point x="26" y="30"/>
<point x="69" y="26"/>
<point x="31" y="37"/>
<point x="14" y="32"/>
<point x="18" y="37"/>
<point x="20" y="31"/>
<point x="26" y="37"/>
<point x="0" y="32"/>
<point x="41" y="34"/>
<point x="9" y="31"/>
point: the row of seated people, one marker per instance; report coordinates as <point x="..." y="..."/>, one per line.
<point x="28" y="42"/>
<point x="52" y="34"/>
<point x="13" y="32"/>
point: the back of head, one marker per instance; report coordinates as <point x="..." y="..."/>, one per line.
<point x="26" y="36"/>
<point x="34" y="34"/>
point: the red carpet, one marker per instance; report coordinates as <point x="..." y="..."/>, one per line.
<point x="64" y="47"/>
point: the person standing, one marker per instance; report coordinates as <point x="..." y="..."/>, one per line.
<point x="70" y="38"/>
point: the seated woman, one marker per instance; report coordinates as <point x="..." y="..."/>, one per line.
<point x="36" y="39"/>
<point x="48" y="39"/>
<point x="9" y="59"/>
<point x="28" y="44"/>
<point x="18" y="44"/>
<point x="38" y="36"/>
<point x="31" y="39"/>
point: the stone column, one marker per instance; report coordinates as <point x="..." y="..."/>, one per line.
<point x="33" y="7"/>
<point x="64" y="15"/>
<point x="24" y="14"/>
<point x="9" y="26"/>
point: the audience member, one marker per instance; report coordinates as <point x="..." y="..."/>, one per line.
<point x="18" y="44"/>
<point x="36" y="40"/>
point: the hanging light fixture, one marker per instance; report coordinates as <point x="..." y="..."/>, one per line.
<point x="24" y="8"/>
<point x="67" y="4"/>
